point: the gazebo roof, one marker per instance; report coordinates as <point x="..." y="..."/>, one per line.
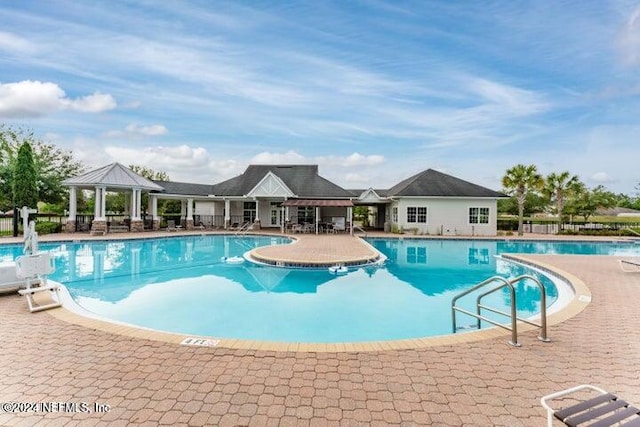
<point x="113" y="175"/>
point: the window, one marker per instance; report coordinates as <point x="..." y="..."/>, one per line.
<point x="306" y="214"/>
<point x="416" y="255"/>
<point x="249" y="212"/>
<point x="417" y="214"/>
<point x="411" y="214"/>
<point x="394" y="215"/>
<point x="478" y="256"/>
<point x="478" y="215"/>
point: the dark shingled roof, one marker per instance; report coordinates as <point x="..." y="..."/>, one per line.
<point x="437" y="184"/>
<point x="302" y="180"/>
<point x="185" y="188"/>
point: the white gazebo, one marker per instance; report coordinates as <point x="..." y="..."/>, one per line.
<point x="113" y="177"/>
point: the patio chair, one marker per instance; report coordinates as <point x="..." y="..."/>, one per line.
<point x="171" y="225"/>
<point x="34" y="269"/>
<point x="629" y="266"/>
<point x="605" y="409"/>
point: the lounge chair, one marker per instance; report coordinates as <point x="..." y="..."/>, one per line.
<point x="629" y="266"/>
<point x="605" y="409"/>
<point x="171" y="225"/>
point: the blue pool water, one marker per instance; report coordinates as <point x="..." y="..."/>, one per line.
<point x="180" y="284"/>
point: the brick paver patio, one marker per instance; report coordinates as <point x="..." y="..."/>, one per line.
<point x="482" y="383"/>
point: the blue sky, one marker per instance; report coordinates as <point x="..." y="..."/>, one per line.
<point x="371" y="90"/>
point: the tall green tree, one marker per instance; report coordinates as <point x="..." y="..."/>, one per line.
<point x="53" y="165"/>
<point x="150" y="173"/>
<point x="519" y="181"/>
<point x="25" y="178"/>
<point x="559" y="187"/>
<point x="586" y="201"/>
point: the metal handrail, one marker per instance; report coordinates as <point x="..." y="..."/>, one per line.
<point x="362" y="230"/>
<point x="514" y="326"/>
<point x="244" y="229"/>
<point x="513" y="314"/>
<point x="632" y="231"/>
<point x="543" y="306"/>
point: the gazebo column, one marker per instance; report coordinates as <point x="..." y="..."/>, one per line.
<point x="183" y="212"/>
<point x="137" y="225"/>
<point x="317" y="218"/>
<point x="256" y="221"/>
<point x="287" y="219"/>
<point x="70" y="226"/>
<point x="99" y="224"/>
<point x="154" y="212"/>
<point x="189" y="219"/>
<point x="227" y="213"/>
<point x="350" y="217"/>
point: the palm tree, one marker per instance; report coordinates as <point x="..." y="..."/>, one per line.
<point x="558" y="187"/>
<point x="519" y="181"/>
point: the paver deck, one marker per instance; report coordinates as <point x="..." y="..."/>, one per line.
<point x="478" y="383"/>
<point x="319" y="250"/>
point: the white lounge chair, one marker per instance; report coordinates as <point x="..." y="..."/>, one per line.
<point x="34" y="269"/>
<point x="629" y="266"/>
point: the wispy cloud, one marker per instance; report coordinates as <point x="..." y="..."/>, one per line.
<point x="371" y="84"/>
<point x="14" y="43"/>
<point x="629" y="39"/>
<point x="133" y="130"/>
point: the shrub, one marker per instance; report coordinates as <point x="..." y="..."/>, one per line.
<point x="48" y="227"/>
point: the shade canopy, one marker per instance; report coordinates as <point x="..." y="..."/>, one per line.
<point x="114" y="175"/>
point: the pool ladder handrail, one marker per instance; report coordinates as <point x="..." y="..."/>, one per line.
<point x="245" y="228"/>
<point x="512" y="315"/>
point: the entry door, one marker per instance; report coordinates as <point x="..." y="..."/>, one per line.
<point x="276" y="214"/>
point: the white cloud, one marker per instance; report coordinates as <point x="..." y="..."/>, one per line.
<point x="162" y="157"/>
<point x="133" y="130"/>
<point x="96" y="103"/>
<point x="12" y="42"/>
<point x="352" y="160"/>
<point x="512" y="100"/>
<point x="602" y="178"/>
<point x="153" y="130"/>
<point x="629" y="39"/>
<point x="293" y="157"/>
<point x="356" y="178"/>
<point x="35" y="99"/>
<point x="290" y="157"/>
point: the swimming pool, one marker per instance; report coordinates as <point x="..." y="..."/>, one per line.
<point x="181" y="284"/>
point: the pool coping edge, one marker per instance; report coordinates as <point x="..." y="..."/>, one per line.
<point x="578" y="303"/>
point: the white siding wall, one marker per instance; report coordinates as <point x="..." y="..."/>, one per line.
<point x="448" y="214"/>
<point x="206" y="208"/>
